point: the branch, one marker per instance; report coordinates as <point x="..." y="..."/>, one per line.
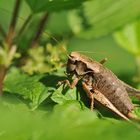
<point x="9" y="39"/>
<point x="39" y="30"/>
<point x="12" y="26"/>
<point x="28" y="19"/>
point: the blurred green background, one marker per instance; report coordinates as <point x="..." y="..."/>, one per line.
<point x="32" y="107"/>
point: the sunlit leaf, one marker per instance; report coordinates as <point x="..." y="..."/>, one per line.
<point x="103" y="17"/>
<point x="63" y="94"/>
<point x="26" y="86"/>
<point x="128" y="37"/>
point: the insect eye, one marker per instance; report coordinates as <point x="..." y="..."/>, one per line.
<point x="70" y="68"/>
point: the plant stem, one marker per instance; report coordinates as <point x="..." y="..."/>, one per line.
<point x="12" y="26"/>
<point x="39" y="30"/>
<point x="2" y="75"/>
<point x="28" y="19"/>
<point x="9" y="39"/>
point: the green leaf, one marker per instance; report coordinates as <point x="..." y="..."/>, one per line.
<point x="67" y="121"/>
<point x="63" y="94"/>
<point x="128" y="37"/>
<point x="75" y="21"/>
<point x="53" y="5"/>
<point x="13" y="103"/>
<point x="74" y="110"/>
<point x="26" y="86"/>
<point x="103" y="17"/>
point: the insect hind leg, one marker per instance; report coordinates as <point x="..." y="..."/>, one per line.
<point x="90" y="95"/>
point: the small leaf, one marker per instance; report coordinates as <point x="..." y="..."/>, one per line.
<point x="61" y="95"/>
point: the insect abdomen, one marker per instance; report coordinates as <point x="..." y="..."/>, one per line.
<point x="109" y="85"/>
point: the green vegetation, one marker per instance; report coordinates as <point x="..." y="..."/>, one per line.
<point x="35" y="38"/>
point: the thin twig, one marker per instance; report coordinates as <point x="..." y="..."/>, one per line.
<point x="39" y="30"/>
<point x="28" y="19"/>
<point x="12" y="26"/>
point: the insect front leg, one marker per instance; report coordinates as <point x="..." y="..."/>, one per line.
<point x="71" y="85"/>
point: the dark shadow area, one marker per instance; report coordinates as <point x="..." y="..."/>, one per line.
<point x="104" y="111"/>
<point x="83" y="95"/>
<point x="14" y="99"/>
<point x="52" y="80"/>
<point x="47" y="105"/>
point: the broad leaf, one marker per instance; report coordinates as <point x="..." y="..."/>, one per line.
<point x="103" y="17"/>
<point x="26" y="86"/>
<point x="67" y="121"/>
<point x="53" y="5"/>
<point x="128" y="37"/>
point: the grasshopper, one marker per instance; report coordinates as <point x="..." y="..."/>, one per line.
<point x="101" y="84"/>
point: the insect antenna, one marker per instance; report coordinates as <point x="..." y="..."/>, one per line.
<point x="56" y="40"/>
<point x="91" y="52"/>
<point x="6" y="11"/>
<point x="48" y="34"/>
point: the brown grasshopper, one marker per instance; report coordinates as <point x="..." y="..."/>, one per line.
<point x="101" y="84"/>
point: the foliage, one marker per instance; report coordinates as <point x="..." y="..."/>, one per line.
<point x="53" y="5"/>
<point x="129" y="36"/>
<point x="45" y="59"/>
<point x="71" y="122"/>
<point x="28" y="87"/>
<point x="100" y="18"/>
<point x="33" y="56"/>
